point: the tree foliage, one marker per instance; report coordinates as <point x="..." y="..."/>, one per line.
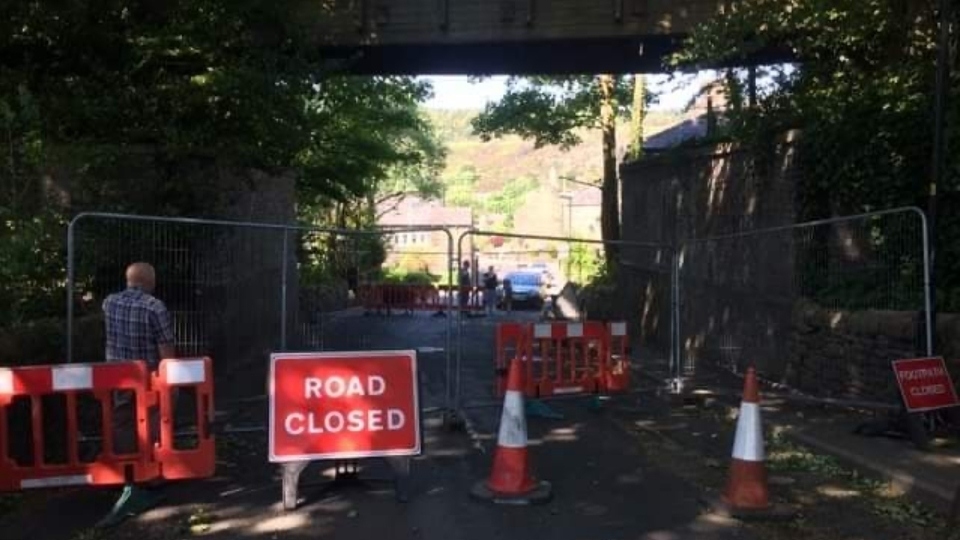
<point x="861" y="89"/>
<point x="88" y="87"/>
<point x="553" y="111"/>
<point x="861" y="93"/>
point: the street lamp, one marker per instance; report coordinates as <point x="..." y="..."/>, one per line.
<point x="569" y="234"/>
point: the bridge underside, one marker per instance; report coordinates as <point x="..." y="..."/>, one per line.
<point x="505" y="36"/>
<point x="547" y="57"/>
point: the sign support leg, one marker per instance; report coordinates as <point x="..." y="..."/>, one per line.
<point x="401" y="467"/>
<point x="291" y="481"/>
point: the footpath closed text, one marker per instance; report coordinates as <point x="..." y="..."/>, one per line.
<point x="935" y="375"/>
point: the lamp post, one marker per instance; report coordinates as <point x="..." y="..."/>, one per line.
<point x="944" y="17"/>
<point x="567" y="196"/>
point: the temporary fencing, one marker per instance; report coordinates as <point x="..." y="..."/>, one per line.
<point x="81" y="424"/>
<point x="238" y="291"/>
<point x="578" y="356"/>
<point x="821" y="307"/>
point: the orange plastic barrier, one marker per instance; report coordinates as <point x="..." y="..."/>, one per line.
<point x="387" y="297"/>
<point x="571" y="357"/>
<point x="565" y="357"/>
<point x="172" y="376"/>
<point x="55" y="454"/>
<point x="513" y="341"/>
<point x="616" y="369"/>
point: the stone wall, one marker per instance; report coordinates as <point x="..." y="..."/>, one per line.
<point x="704" y="192"/>
<point x="843" y="354"/>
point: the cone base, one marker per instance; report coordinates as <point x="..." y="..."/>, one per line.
<point x="541" y="493"/>
<point x="773" y="512"/>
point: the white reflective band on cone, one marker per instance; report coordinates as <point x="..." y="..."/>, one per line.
<point x="72" y="377"/>
<point x="185" y="372"/>
<point x="57" y="481"/>
<point x="748" y="445"/>
<point x="513" y="422"/>
<point x="6" y="381"/>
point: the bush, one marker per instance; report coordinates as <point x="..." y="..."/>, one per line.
<point x="408" y="278"/>
<point x="43" y="341"/>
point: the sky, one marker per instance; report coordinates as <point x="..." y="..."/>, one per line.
<point x="459" y="92"/>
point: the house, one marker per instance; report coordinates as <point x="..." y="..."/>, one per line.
<point x="583" y="213"/>
<point x="704" y="112"/>
<point x="422" y="250"/>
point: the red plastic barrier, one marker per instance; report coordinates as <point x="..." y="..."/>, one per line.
<point x="143" y="459"/>
<point x="616" y="369"/>
<point x="388" y="297"/>
<point x="513" y="341"/>
<point x="173" y="376"/>
<point x="101" y="380"/>
<point x="565" y="357"/>
<point x="572" y="356"/>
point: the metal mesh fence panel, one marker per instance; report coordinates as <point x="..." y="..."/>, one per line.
<point x="645" y="286"/>
<point x="221" y="283"/>
<point x="239" y="291"/>
<point x="820" y="307"/>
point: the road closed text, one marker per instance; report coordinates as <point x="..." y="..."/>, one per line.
<point x="327" y="405"/>
<point x="334" y="421"/>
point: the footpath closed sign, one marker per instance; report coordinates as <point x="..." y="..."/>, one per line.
<point x="925" y="384"/>
<point x="343" y="405"/>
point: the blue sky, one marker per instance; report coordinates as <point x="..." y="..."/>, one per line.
<point x="458" y="92"/>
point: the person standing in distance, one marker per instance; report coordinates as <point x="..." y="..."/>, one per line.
<point x="466" y="285"/>
<point x="490" y="283"/>
<point x="138" y="327"/>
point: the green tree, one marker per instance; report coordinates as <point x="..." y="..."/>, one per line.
<point x="88" y="84"/>
<point x="637" y="115"/>
<point x="861" y="94"/>
<point x="459" y="189"/>
<point x="552" y="111"/>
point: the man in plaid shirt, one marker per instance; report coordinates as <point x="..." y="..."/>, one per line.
<point x="138" y="327"/>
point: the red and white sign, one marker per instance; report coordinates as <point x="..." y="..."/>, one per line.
<point x="925" y="384"/>
<point x="343" y="405"/>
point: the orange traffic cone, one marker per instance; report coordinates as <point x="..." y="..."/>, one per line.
<point x="747" y="483"/>
<point x="746" y="495"/>
<point x="510" y="479"/>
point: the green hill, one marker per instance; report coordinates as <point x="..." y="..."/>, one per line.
<point x="500" y="161"/>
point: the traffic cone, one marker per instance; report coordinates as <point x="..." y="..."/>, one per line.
<point x="747" y="483"/>
<point x="746" y="495"/>
<point x="510" y="480"/>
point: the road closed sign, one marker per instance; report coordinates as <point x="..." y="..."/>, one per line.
<point x="925" y="384"/>
<point x="343" y="405"/>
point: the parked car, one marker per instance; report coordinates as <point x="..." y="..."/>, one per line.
<point x="527" y="288"/>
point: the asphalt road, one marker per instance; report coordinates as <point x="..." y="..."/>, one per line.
<point x="605" y="487"/>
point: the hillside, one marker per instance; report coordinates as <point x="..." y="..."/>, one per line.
<point x="501" y="160"/>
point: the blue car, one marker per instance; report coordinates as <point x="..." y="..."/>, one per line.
<point x="527" y="288"/>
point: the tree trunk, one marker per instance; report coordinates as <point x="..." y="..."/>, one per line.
<point x="638" y="114"/>
<point x="610" y="202"/>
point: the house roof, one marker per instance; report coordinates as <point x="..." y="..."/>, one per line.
<point x="692" y="128"/>
<point x="413" y="211"/>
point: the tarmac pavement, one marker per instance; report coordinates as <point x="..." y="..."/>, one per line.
<point x="617" y="472"/>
